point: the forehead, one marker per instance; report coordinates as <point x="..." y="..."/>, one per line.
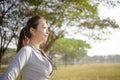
<point x="42" y="22"/>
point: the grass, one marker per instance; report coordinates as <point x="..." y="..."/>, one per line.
<point x="86" y="72"/>
<point x="2" y="68"/>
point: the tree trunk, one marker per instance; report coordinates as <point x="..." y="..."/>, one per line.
<point x="0" y="58"/>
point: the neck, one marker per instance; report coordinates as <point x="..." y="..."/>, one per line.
<point x="35" y="44"/>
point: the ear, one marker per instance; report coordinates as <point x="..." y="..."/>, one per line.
<point x="32" y="31"/>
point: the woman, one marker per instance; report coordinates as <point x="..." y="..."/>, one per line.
<point x="31" y="61"/>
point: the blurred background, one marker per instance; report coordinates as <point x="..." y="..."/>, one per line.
<point x="84" y="36"/>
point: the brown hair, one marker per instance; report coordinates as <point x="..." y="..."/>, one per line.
<point x="25" y="32"/>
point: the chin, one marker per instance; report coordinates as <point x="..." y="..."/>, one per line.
<point x="44" y="40"/>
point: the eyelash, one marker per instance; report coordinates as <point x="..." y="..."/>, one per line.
<point x="44" y="27"/>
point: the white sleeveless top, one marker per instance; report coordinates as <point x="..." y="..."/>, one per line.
<point x="30" y="63"/>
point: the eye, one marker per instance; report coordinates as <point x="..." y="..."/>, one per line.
<point x="44" y="27"/>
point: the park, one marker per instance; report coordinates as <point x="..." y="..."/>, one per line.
<point x="74" y="26"/>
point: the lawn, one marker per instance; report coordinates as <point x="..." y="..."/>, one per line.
<point x="107" y="71"/>
<point x="88" y="72"/>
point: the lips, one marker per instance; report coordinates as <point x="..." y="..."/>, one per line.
<point x="46" y="35"/>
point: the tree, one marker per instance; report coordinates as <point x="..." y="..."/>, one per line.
<point x="69" y="49"/>
<point x="9" y="22"/>
<point x="8" y="57"/>
<point x="58" y="14"/>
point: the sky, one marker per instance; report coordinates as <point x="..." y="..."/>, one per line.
<point x="112" y="45"/>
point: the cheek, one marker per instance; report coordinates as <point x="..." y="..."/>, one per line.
<point x="40" y="34"/>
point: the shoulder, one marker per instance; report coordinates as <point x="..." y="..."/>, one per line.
<point x="25" y="51"/>
<point x="26" y="48"/>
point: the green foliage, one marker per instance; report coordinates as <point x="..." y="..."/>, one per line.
<point x="10" y="50"/>
<point x="10" y="53"/>
<point x="70" y="47"/>
<point x="80" y="13"/>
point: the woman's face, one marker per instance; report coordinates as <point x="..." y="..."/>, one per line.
<point x="41" y="33"/>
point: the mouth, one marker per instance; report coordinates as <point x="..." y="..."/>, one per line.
<point x="46" y="35"/>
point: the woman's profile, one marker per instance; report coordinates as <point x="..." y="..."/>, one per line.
<point x="30" y="61"/>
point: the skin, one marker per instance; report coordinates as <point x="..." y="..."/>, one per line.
<point x="39" y="35"/>
<point x="25" y="41"/>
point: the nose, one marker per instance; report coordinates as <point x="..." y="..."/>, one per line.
<point x="47" y="31"/>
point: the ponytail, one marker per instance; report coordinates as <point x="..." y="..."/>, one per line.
<point x="22" y="39"/>
<point x="25" y="32"/>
